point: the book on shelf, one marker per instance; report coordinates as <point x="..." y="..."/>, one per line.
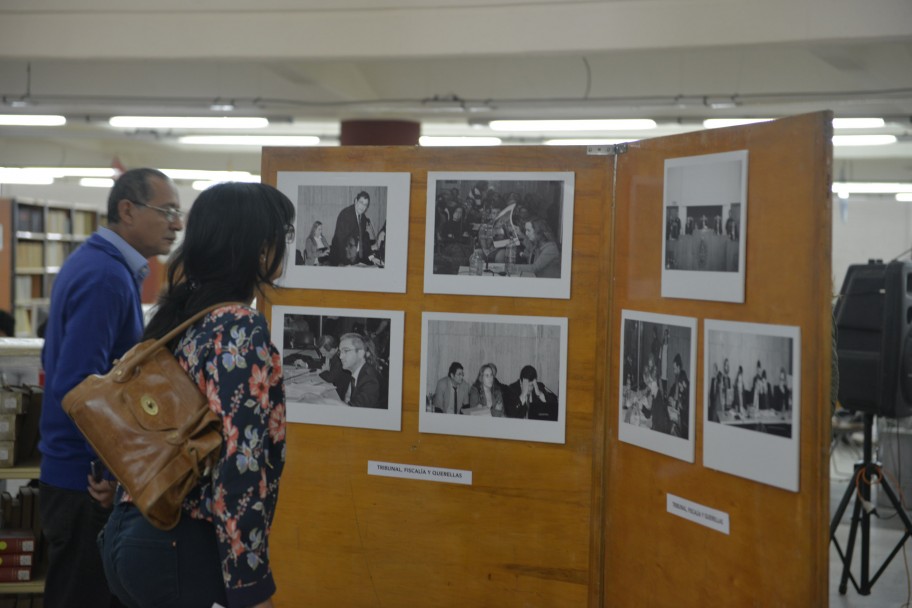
<point x="27" y="437"/>
<point x="29" y="254"/>
<point x="20" y="560"/>
<point x="30" y="218"/>
<point x="23" y="321"/>
<point x="58" y="220"/>
<point x="24" y="287"/>
<point x="15" y="574"/>
<point x="27" y="509"/>
<point x="16" y="541"/>
<point x="54" y="253"/>
<point x="83" y="223"/>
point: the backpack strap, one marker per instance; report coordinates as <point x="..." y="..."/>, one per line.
<point x="139" y="355"/>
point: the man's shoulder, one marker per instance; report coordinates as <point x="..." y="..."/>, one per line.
<point x="369" y="369"/>
<point x="95" y="261"/>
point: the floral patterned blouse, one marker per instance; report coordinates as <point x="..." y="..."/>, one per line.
<point x="230" y="356"/>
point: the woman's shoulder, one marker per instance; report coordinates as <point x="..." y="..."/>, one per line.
<point x="235" y="314"/>
<point x="550" y="246"/>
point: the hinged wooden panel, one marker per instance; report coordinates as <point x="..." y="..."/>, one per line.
<point x="520" y="534"/>
<point x="777" y="552"/>
<point x="6" y="254"/>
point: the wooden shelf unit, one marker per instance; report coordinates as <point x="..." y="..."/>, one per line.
<point x="27" y="469"/>
<point x="38" y="237"/>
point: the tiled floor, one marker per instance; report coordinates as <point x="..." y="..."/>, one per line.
<point x="892" y="589"/>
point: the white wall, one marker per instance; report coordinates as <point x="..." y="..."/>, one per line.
<point x="866" y="228"/>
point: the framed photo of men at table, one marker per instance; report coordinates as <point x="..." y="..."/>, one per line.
<point x="751" y="405"/>
<point x="704" y="227"/>
<point x="656" y="395"/>
<point x="342" y="367"/>
<point x="494" y="376"/>
<point x="351" y="230"/>
<point x="499" y="234"/>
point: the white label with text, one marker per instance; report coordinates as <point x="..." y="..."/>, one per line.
<point x="422" y="473"/>
<point x="711" y="518"/>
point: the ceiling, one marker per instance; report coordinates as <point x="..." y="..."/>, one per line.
<point x="308" y="64"/>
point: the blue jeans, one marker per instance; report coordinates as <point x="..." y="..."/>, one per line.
<point x="151" y="568"/>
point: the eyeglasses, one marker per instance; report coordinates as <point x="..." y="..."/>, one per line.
<point x="170" y="213"/>
<point x="348" y="350"/>
<point x="289" y="234"/>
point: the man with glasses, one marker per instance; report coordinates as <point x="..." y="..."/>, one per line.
<point x="364" y="390"/>
<point x="95" y="317"/>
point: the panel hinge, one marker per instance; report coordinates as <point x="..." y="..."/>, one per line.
<point x="606" y="150"/>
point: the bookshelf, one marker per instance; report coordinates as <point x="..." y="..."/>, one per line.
<point x="17" y="353"/>
<point x="35" y="238"/>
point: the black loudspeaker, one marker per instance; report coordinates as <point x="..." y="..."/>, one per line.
<point x="874" y="339"/>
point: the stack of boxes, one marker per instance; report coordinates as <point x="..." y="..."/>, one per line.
<point x="21" y="549"/>
<point x="20" y="410"/>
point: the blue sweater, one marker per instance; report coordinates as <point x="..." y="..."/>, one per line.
<point x="95" y="318"/>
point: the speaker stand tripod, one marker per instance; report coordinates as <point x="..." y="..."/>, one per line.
<point x="867" y="472"/>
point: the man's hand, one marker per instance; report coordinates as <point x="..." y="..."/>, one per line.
<point x="102" y="491"/>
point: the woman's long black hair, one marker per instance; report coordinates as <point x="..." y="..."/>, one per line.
<point x="228" y="229"/>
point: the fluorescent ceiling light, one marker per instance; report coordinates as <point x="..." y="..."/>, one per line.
<point x="24" y="176"/>
<point x="83" y="171"/>
<point x="214" y="176"/>
<point x="188" y="122"/>
<point x="54" y="172"/>
<point x="431" y="141"/>
<point x="96" y="182"/>
<point x="586" y="142"/>
<point x="863" y="140"/>
<point x="716" y="123"/>
<point x="632" y="124"/>
<point x="250" y="140"/>
<point x="905" y="197"/>
<point x="31" y="120"/>
<point x="201" y="184"/>
<point x="858" y="123"/>
<point x="871" y="187"/>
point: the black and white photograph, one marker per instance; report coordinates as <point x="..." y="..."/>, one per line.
<point x="351" y="230"/>
<point x="658" y="364"/>
<point x="342" y="367"/>
<point x="704" y="227"/>
<point x="751" y="406"/>
<point x="494" y="376"/>
<point x="499" y="234"/>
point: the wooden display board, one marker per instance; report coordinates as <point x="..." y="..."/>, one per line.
<point x="521" y="533"/>
<point x="6" y="254"/>
<point x="777" y="551"/>
<point x="582" y="523"/>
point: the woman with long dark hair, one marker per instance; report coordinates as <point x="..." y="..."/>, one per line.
<point x="316" y="249"/>
<point x="235" y="245"/>
<point x="545" y="257"/>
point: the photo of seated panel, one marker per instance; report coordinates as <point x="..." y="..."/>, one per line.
<point x="499" y="234"/>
